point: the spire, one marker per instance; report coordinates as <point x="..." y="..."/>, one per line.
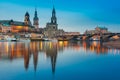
<point x="35" y="15"/>
<point x="53" y="18"/>
<point x="36" y="19"/>
<point x="53" y="12"/>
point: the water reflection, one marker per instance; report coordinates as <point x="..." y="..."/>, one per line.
<point x="15" y="50"/>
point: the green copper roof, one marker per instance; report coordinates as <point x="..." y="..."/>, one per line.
<point x="8" y="23"/>
<point x="103" y="28"/>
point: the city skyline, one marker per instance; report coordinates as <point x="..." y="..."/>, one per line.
<point x="75" y="16"/>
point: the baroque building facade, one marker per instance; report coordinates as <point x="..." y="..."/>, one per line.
<point x="97" y="30"/>
<point x="16" y="26"/>
<point x="51" y="30"/>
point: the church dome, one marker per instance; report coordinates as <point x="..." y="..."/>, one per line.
<point x="27" y="14"/>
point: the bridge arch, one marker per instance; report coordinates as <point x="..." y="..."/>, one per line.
<point x="106" y="38"/>
<point x="91" y="35"/>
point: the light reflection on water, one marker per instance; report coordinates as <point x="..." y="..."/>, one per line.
<point x="47" y="54"/>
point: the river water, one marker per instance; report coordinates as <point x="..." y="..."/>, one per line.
<point x="61" y="60"/>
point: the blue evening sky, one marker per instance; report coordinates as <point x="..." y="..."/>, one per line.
<point x="73" y="15"/>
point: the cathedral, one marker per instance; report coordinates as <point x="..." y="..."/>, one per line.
<point x="51" y="30"/>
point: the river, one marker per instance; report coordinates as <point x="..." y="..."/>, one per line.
<point x="61" y="60"/>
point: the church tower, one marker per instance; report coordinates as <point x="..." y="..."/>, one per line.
<point x="36" y="20"/>
<point x="51" y="30"/>
<point x="53" y="18"/>
<point x="27" y="19"/>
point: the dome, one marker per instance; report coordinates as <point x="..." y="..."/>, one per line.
<point x="27" y="14"/>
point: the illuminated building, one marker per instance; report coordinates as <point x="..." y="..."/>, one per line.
<point x="102" y="29"/>
<point x="97" y="30"/>
<point x="16" y="26"/>
<point x="5" y="26"/>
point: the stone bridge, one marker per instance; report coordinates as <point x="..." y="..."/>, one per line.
<point x="102" y="37"/>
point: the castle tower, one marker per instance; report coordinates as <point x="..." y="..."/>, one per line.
<point x="53" y="18"/>
<point x="36" y="20"/>
<point x="27" y="19"/>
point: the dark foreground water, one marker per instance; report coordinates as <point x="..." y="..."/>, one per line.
<point x="58" y="61"/>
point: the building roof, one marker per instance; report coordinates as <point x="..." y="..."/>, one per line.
<point x="102" y="28"/>
<point x="8" y="23"/>
<point x="27" y="14"/>
<point x="35" y="15"/>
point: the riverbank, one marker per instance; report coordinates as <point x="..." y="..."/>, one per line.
<point x="112" y="44"/>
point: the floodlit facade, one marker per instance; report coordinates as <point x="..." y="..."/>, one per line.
<point x="97" y="30"/>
